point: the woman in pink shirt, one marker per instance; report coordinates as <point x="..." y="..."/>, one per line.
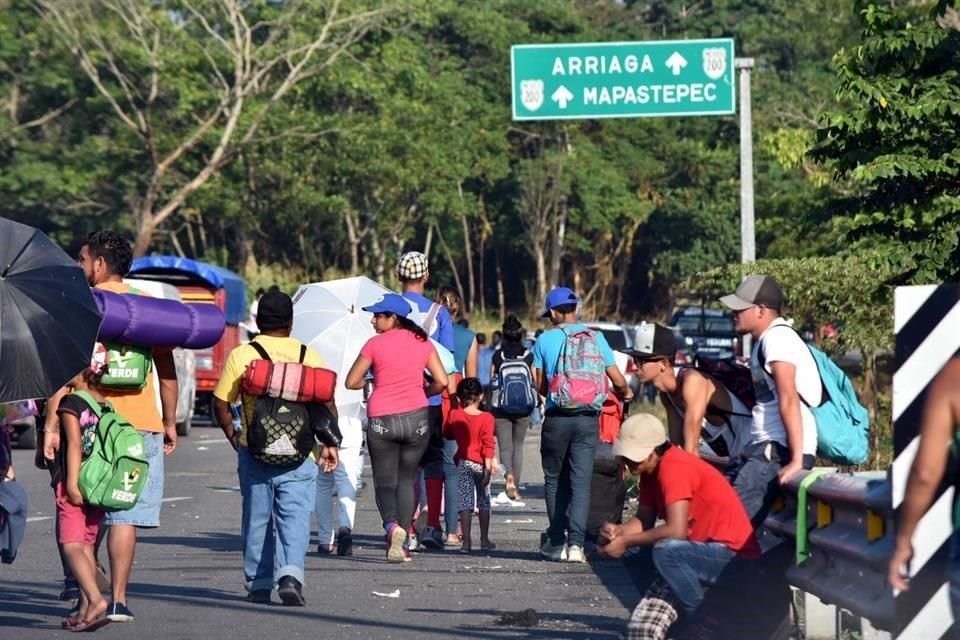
<point x="398" y="429"/>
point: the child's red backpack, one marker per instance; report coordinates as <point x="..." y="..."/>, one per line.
<point x="611" y="417"/>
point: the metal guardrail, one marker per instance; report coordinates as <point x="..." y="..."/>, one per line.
<point x="850" y="541"/>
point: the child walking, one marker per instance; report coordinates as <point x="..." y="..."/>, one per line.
<point x="79" y="523"/>
<point x="473" y="429"/>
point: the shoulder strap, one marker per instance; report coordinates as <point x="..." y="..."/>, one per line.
<point x="263" y="352"/>
<point x="93" y="404"/>
<point x="431" y="316"/>
<point x="303" y="352"/>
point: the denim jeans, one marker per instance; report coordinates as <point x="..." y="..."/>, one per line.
<point x="396" y="444"/>
<point x="277" y="503"/>
<point x="567" y="447"/>
<point x="754" y="476"/>
<point x="686" y="565"/>
<point x="146" y="513"/>
<point x="451" y="487"/>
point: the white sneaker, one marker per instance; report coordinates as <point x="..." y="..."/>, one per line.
<point x="412" y="544"/>
<point x="575" y="554"/>
<point x="553" y="553"/>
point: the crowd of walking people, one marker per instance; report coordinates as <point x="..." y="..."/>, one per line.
<point x="445" y="413"/>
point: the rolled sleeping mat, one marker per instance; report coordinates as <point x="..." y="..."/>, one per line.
<point x="154" y="322"/>
<point x="207" y="324"/>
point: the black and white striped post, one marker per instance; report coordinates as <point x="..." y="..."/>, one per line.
<point x="927" y="326"/>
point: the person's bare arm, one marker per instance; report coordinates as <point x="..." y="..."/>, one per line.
<point x="784" y="376"/>
<point x="51" y="424"/>
<point x="224" y="418"/>
<point x="71" y="428"/>
<point x="470" y="364"/>
<point x="355" y="376"/>
<point x="169" y="393"/>
<point x="696" y="390"/>
<point x="675" y="528"/>
<point x="619" y="383"/>
<point x="941" y="415"/>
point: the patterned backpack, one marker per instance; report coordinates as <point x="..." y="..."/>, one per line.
<point x="281" y="431"/>
<point x="580" y="381"/>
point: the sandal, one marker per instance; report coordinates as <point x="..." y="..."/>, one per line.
<point x="91" y="625"/>
<point x="72" y="619"/>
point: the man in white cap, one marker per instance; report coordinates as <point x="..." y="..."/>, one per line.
<point x="704" y="529"/>
<point x="786" y="383"/>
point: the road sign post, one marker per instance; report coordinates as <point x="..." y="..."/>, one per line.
<point x="623" y="79"/>
<point x="747" y="234"/>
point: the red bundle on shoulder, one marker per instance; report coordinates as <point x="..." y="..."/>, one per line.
<point x="289" y="380"/>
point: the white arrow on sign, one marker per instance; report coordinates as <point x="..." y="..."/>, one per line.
<point x="562" y="96"/>
<point x="676" y="62"/>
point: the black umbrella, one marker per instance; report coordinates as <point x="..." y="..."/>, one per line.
<point x="48" y="317"/>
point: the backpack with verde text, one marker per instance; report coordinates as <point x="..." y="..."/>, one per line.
<point x="129" y="366"/>
<point x="580" y="380"/>
<point x="843" y="424"/>
<point x="115" y="474"/>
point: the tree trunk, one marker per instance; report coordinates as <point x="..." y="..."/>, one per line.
<point x="468" y="253"/>
<point x="481" y="287"/>
<point x="501" y="299"/>
<point x="354" y="239"/>
<point x="426" y="245"/>
<point x="144" y="238"/>
<point x="560" y="234"/>
<point x="541" y="261"/>
<point x="453" y="265"/>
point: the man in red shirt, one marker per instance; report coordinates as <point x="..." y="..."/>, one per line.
<point x="705" y="528"/>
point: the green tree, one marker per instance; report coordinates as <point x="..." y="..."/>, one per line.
<point x="895" y="139"/>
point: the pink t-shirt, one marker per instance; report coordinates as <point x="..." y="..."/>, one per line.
<point x="397" y="359"/>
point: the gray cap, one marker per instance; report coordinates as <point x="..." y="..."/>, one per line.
<point x="753" y="291"/>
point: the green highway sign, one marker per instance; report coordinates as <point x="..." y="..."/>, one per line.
<point x="623" y="79"/>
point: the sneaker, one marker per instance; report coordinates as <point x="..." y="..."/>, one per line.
<point x="118" y="612"/>
<point x="290" y="592"/>
<point x="432" y="538"/>
<point x="71" y="590"/>
<point x="259" y="596"/>
<point x="554" y="553"/>
<point x="396" y="537"/>
<point x="412" y="544"/>
<point x="575" y="554"/>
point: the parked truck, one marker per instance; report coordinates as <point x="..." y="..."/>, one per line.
<point x="200" y="282"/>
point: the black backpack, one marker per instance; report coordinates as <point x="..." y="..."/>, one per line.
<point x="281" y="431"/>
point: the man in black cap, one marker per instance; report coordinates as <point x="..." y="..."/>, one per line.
<point x="698" y="405"/>
<point x="275" y="498"/>
<point x="786" y="382"/>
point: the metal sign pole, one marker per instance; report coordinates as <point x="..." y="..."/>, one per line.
<point x="747" y="244"/>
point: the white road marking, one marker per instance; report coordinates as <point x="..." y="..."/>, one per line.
<point x="39" y="518"/>
<point x="177" y="498"/>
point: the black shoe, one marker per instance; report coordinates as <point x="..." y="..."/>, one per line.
<point x="259" y="596"/>
<point x="345" y="543"/>
<point x="290" y="592"/>
<point x="71" y="590"/>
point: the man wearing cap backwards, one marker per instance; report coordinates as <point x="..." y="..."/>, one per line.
<point x="704" y="529"/>
<point x="786" y="382"/>
<point x="277" y="500"/>
<point x="697" y="404"/>
<point x="414" y="273"/>
<point x="568" y="441"/>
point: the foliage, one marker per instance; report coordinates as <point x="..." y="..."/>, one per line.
<point x="895" y="138"/>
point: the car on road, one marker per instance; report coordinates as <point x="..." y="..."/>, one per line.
<point x="707" y="332"/>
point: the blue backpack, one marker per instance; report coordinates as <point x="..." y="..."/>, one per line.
<point x="514" y="392"/>
<point x="843" y="424"/>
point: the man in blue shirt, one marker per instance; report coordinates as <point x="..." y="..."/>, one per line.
<point x="568" y="440"/>
<point x="413" y="272"/>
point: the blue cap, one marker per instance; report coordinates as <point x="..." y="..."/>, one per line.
<point x="390" y="303"/>
<point x="558" y="297"/>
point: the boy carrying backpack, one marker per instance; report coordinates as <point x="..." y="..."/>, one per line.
<point x="573" y="367"/>
<point x="286" y="406"/>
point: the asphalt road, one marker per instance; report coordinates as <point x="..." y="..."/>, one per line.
<point x="187" y="580"/>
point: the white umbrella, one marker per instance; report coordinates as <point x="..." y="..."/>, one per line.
<point x="328" y="317"/>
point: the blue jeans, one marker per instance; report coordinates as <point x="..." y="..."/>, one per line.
<point x="685" y="565"/>
<point x="146" y="513"/>
<point x="277" y="504"/>
<point x="451" y="487"/>
<point x="567" y="447"/>
<point x="754" y="475"/>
